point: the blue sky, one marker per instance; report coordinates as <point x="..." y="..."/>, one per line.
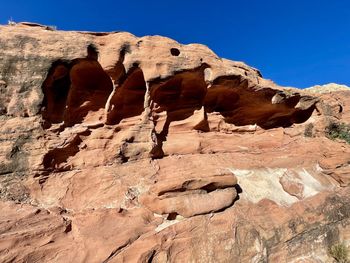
<point x="295" y="43"/>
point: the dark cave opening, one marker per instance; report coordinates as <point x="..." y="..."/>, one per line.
<point x="90" y="89"/>
<point x="74" y="88"/>
<point x="128" y="98"/>
<point x="179" y="96"/>
<point x="241" y="104"/>
<point x="56" y="88"/>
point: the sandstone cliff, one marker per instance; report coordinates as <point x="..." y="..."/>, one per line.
<point x="116" y="148"/>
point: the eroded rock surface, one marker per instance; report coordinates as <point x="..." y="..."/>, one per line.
<point x="116" y="148"/>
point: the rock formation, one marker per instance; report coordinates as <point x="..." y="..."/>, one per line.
<point x="330" y="87"/>
<point x="116" y="148"/>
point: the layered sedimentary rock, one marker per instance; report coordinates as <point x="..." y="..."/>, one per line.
<point x="116" y="148"/>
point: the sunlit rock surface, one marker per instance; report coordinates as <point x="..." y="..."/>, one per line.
<point x="116" y="148"/>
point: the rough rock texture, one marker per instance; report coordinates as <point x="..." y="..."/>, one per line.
<point x="330" y="87"/>
<point x="116" y="148"/>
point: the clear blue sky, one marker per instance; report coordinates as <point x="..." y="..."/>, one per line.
<point x="293" y="42"/>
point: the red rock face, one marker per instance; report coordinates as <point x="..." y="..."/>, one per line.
<point x="124" y="149"/>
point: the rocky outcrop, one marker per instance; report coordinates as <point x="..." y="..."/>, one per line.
<point x="124" y="149"/>
<point x="330" y="87"/>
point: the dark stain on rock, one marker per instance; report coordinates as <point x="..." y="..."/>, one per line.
<point x="18" y="158"/>
<point x="337" y="208"/>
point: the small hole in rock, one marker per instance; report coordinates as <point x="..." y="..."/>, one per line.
<point x="130" y="140"/>
<point x="210" y="187"/>
<point x="139" y="43"/>
<point x="238" y="189"/>
<point x="68" y="228"/>
<point x="172" y="216"/>
<point x="175" y="52"/>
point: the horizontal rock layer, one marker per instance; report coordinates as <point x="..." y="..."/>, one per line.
<point x="116" y="148"/>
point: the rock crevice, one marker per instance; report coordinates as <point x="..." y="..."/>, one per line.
<point x="125" y="149"/>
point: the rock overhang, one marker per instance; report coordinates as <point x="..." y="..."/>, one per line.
<point x="89" y="164"/>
